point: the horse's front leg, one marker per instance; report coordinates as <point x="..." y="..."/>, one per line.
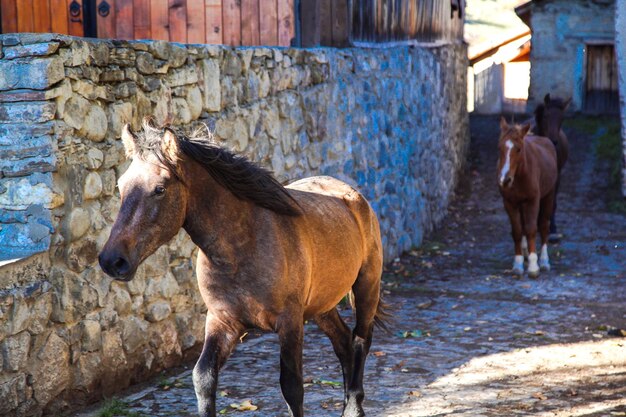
<point x="515" y="218"/>
<point x="218" y="344"/>
<point x="530" y="216"/>
<point x="291" y="333"/>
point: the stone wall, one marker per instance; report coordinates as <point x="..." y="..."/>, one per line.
<point x="393" y="122"/>
<point x="561" y="29"/>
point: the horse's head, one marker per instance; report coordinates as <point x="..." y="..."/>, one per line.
<point x="549" y="116"/>
<point x="510" y="147"/>
<point x="154" y="201"/>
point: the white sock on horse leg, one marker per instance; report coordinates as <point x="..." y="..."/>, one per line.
<point x="532" y="262"/>
<point x="518" y="264"/>
<point x="524" y="246"/>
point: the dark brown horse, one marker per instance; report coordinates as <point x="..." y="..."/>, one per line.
<point x="527" y="174"/>
<point x="270" y="256"/>
<point x="548" y="120"/>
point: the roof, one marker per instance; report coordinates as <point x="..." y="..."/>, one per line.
<point x="505" y="51"/>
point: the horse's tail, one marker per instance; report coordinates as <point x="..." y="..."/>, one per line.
<point x="383" y="316"/>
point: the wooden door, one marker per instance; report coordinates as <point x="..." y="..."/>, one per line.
<point x="601" y="95"/>
<point x="43" y="16"/>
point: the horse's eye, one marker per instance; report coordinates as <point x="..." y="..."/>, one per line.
<point x="159" y="190"/>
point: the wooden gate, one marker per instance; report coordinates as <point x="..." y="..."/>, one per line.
<point x="601" y="91"/>
<point x="230" y="22"/>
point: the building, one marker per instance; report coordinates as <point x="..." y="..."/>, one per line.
<point x="573" y="53"/>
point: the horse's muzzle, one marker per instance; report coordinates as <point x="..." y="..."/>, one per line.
<point x="116" y="266"/>
<point x="506" y="182"/>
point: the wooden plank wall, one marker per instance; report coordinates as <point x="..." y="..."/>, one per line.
<point x="375" y="21"/>
<point x="230" y="22"/>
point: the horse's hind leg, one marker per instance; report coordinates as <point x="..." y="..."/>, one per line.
<point x="515" y="217"/>
<point x="544" y="226"/>
<point x="366" y="292"/>
<point x="290" y="334"/>
<point x="341" y="338"/>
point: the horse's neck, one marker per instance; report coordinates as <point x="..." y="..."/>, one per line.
<point x="216" y="220"/>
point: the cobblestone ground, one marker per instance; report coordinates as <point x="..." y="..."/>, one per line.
<point x="468" y="339"/>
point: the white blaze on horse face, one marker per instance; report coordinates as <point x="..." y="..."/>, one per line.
<point x="507" y="163"/>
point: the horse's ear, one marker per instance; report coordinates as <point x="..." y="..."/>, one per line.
<point x="525" y="129"/>
<point x="546" y="99"/>
<point x="169" y="145"/>
<point x="503" y="124"/>
<point x="129" y="140"/>
<point x="567" y="103"/>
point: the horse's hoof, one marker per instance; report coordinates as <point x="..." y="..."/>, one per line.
<point x="544" y="266"/>
<point x="533" y="274"/>
<point x="518" y="272"/>
<point x="555" y="237"/>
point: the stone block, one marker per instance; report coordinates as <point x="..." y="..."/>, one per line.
<point x="134" y="330"/>
<point x="158" y="311"/>
<point x="93" y="186"/>
<point x="20" y="193"/>
<point x="95" y="157"/>
<point x="51" y="374"/>
<point x="29" y="73"/>
<point x="27" y="112"/>
<point x="11" y="390"/>
<point x="95" y="124"/>
<point x="183" y="76"/>
<point x="211" y="85"/>
<point x="91" y="339"/>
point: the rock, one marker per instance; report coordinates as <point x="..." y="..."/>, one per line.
<point x="75" y="112"/>
<point x="81" y="254"/>
<point x="27" y="112"/>
<point x="95" y="157"/>
<point x="91" y="336"/>
<point x="11" y="389"/>
<point x="118" y="115"/>
<point x="19" y="317"/>
<point x="145" y="63"/>
<point x="121" y="299"/>
<point x="133" y="333"/>
<point x="93" y="186"/>
<point x="95" y="125"/>
<point x="113" y="355"/>
<point x="194" y="100"/>
<point x="181" y="111"/>
<point x="157" y="311"/>
<point x="20" y="193"/>
<point x="37" y="49"/>
<point x="182" y="76"/>
<point x="51" y="373"/>
<point x="78" y="223"/>
<point x="211" y="85"/>
<point x="31" y="73"/>
<point x="15" y="351"/>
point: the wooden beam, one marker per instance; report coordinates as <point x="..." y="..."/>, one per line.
<point x="286" y="23"/>
<point x="196" y="28"/>
<point x="159" y="20"/>
<point x="341" y="23"/>
<point x="106" y="24"/>
<point x="25" y="21"/>
<point x="59" y="19"/>
<point x="124" y="20"/>
<point x="178" y="20"/>
<point x="310" y="23"/>
<point x="9" y="16"/>
<point x="268" y="23"/>
<point x="231" y="18"/>
<point x="41" y="16"/>
<point x="75" y="23"/>
<point x="141" y="19"/>
<point x="250" y="24"/>
<point x="213" y="21"/>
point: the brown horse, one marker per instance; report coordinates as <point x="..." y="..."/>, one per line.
<point x="270" y="256"/>
<point x="527" y="174"/>
<point x="548" y="120"/>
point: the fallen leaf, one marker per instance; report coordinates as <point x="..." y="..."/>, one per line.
<point x="246" y="405"/>
<point x="379" y="353"/>
<point x="540" y="396"/>
<point x="415" y="393"/>
<point x="425" y="304"/>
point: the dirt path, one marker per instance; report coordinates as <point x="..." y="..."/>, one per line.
<point x="468" y="339"/>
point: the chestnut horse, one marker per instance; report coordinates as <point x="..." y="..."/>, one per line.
<point x="270" y="256"/>
<point x="548" y="120"/>
<point x="527" y="175"/>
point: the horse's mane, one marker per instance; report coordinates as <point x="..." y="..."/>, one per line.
<point x="236" y="173"/>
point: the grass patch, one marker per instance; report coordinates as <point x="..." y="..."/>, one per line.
<point x="116" y="408"/>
